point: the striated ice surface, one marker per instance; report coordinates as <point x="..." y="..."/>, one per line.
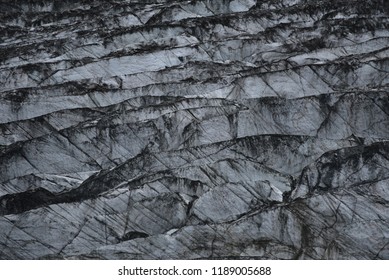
<point x="194" y="129"/>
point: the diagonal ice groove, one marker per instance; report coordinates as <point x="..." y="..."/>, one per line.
<point x="235" y="129"/>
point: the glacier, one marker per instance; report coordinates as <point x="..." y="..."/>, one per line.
<point x="170" y="129"/>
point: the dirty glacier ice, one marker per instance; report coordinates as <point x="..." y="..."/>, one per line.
<point x="169" y="129"/>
